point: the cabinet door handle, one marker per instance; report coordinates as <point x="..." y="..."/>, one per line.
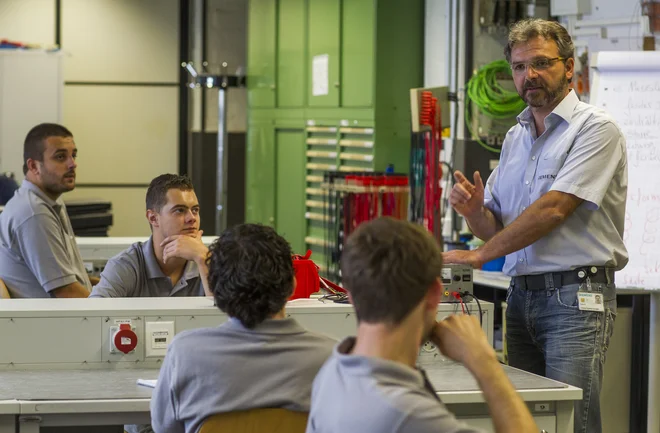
<point x="336" y="83"/>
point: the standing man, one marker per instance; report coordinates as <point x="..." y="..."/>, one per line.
<point x="173" y="261"/>
<point x="39" y="257"/>
<point x="555" y="207"/>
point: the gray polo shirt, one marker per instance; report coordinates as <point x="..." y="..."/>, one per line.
<point x="582" y="152"/>
<point x="371" y="395"/>
<point x="136" y="273"/>
<point x="38" y="250"/>
<point x="228" y="368"/>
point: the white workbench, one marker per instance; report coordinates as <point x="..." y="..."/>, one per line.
<point x="87" y="323"/>
<point x="104" y="248"/>
<point x="112" y="397"/>
<point x="9" y="409"/>
<point x="498" y="280"/>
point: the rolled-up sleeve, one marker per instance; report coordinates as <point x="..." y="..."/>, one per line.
<point x="591" y="164"/>
<point x="491" y="199"/>
<point x="40" y="240"/>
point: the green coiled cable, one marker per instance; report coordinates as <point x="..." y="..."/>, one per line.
<point x="493" y="100"/>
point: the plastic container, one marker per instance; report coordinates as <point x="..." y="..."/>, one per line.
<point x="494" y="265"/>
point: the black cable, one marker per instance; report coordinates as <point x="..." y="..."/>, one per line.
<point x="468" y="294"/>
<point x="338" y="298"/>
<point x="481" y="313"/>
<point x="451" y="169"/>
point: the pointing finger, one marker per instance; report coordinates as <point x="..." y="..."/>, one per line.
<point x="460" y="177"/>
<point x="478" y="183"/>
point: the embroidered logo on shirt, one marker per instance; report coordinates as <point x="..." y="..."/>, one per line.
<point x="547" y="176"/>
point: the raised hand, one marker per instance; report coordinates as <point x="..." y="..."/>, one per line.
<point x="467" y="198"/>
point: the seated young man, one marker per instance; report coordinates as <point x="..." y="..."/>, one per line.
<point x="39" y="256"/>
<point x="173" y="261"/>
<point x="259" y="358"/>
<point x="392" y="271"/>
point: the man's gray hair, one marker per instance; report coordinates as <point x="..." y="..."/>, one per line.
<point x="524" y="30"/>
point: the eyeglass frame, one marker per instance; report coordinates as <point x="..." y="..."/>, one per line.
<point x="531" y="64"/>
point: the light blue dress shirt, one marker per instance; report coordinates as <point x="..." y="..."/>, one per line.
<point x="581" y="152"/>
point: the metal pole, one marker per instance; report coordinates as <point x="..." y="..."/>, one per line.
<point x="195" y="121"/>
<point x="221" y="172"/>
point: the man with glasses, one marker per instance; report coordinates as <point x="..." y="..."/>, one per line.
<point x="555" y="207"/>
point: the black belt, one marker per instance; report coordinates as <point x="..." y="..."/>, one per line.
<point x="554" y="280"/>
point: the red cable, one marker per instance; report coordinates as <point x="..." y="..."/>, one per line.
<point x="459" y="298"/>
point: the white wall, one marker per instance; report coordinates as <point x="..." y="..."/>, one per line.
<point x="31" y="21"/>
<point x="436" y="48"/>
<point x="121" y="96"/>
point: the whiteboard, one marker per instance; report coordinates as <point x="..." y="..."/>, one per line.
<point x="627" y="85"/>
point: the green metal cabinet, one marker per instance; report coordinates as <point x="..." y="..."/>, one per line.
<point x="261" y="53"/>
<point x="357" y="53"/>
<point x="323" y="40"/>
<point x="290" y="186"/>
<point x="291" y="61"/>
<point x="375" y="55"/>
<point x="260" y="173"/>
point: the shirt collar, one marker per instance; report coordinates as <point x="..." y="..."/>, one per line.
<point x="564" y="109"/>
<point x="26" y="184"/>
<point x="371" y="366"/>
<point x="269" y="326"/>
<point x="153" y="268"/>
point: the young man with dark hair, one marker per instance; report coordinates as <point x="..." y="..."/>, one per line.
<point x="392" y="270"/>
<point x="173" y="261"/>
<point x="39" y="257"/>
<point x="259" y="358"/>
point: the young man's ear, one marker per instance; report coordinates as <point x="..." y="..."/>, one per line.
<point x="434" y="295"/>
<point x="152" y="217"/>
<point x="32" y="165"/>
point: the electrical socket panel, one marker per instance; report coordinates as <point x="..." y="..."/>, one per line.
<point x="111" y="340"/>
<point x="157" y="336"/>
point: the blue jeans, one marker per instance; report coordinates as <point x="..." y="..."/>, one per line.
<point x="548" y="335"/>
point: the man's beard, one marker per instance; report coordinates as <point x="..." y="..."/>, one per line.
<point x="55" y="185"/>
<point x="544" y="95"/>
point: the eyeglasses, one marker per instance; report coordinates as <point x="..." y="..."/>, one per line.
<point x="540" y="64"/>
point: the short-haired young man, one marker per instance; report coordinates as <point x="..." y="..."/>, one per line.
<point x="259" y="358"/>
<point x="172" y="262"/>
<point x="39" y="257"/>
<point x="392" y="270"/>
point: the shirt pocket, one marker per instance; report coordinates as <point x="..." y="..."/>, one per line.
<point x="546" y="174"/>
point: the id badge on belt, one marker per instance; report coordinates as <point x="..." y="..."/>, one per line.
<point x="589" y="300"/>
